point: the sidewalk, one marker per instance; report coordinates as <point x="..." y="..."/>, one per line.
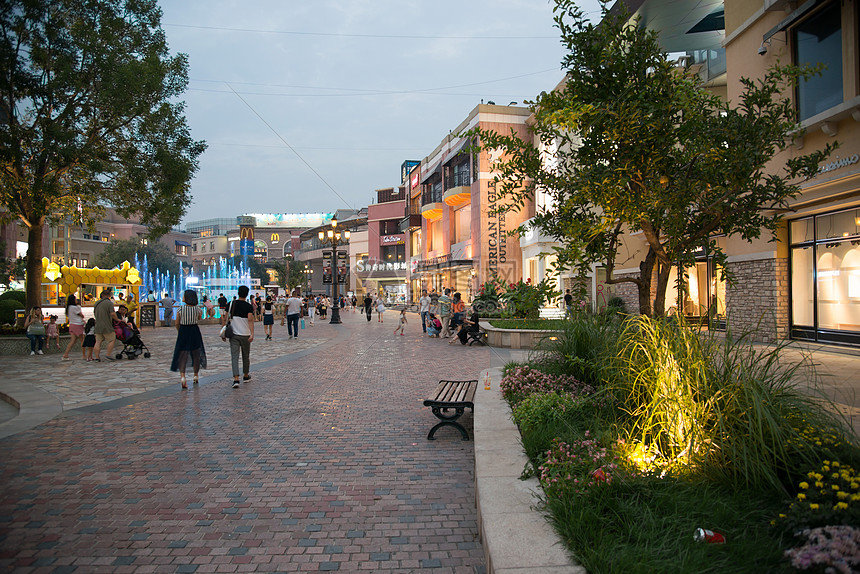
<point x="319" y="463"/>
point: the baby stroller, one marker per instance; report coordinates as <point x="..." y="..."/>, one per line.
<point x="129" y="336"/>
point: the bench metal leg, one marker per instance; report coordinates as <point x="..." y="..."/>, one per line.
<point x="448" y="420"/>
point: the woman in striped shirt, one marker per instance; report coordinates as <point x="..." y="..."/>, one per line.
<point x="189" y="341"/>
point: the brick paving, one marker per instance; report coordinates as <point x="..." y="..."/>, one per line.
<point x="319" y="463"/>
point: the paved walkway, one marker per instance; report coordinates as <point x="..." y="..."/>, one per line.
<point x="319" y="463"/>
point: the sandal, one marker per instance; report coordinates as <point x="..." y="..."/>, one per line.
<point x="182" y="380"/>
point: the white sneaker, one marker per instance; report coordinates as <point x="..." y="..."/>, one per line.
<point x="32" y="353"/>
<point x="39" y="353"/>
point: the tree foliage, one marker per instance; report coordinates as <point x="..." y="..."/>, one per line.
<point x="631" y="144"/>
<point x="88" y="93"/>
<point x="290" y="272"/>
<point x="157" y="255"/>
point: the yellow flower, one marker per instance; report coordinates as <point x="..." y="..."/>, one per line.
<point x="813" y="506"/>
<point x="835" y="476"/>
<point x="782" y="515"/>
<point x="826" y="462"/>
<point x="819" y="484"/>
<point x="834" y="486"/>
<point x="841" y="506"/>
<point x="825" y="468"/>
<point x="855" y="497"/>
<point x="801" y="496"/>
<point x="841" y="495"/>
<point x="836" y="464"/>
<point x="804" y="485"/>
<point x="855" y="485"/>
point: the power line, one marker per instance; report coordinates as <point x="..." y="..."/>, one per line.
<point x="286" y="143"/>
<point x="365" y="91"/>
<point x="345" y="35"/>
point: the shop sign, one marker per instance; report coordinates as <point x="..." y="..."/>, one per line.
<point x="362" y="266"/>
<point x="839" y="163"/>
<point x="497" y="244"/>
<point x="406" y="167"/>
<point x="436" y="261"/>
<point x="393" y="240"/>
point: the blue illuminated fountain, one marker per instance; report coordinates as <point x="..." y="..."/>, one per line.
<point x="222" y="277"/>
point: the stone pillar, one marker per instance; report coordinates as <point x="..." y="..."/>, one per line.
<point x="758" y="300"/>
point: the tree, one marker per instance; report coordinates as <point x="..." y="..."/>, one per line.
<point x="157" y="255"/>
<point x="630" y="144"/>
<point x="290" y="272"/>
<point x="88" y="94"/>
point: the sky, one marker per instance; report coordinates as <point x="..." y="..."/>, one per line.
<point x="312" y="106"/>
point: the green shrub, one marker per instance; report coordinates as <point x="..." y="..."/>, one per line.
<point x="541" y="409"/>
<point x="7" y="310"/>
<point x="19" y="296"/>
<point x="580" y="348"/>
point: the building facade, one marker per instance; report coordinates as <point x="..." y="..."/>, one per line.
<point x="463" y="239"/>
<point x="382" y="270"/>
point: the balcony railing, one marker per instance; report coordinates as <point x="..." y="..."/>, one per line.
<point x="433" y="196"/>
<point x="458" y="179"/>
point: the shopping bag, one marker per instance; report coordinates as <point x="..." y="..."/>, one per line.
<point x="303" y="322"/>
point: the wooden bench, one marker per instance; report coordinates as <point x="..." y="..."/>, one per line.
<point x="456" y="395"/>
<point x="477" y="337"/>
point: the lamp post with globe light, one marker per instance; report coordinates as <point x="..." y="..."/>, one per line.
<point x="334" y="237"/>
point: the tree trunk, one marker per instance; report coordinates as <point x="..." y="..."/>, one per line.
<point x="663" y="270"/>
<point x="34" y="263"/>
<point x="646" y="270"/>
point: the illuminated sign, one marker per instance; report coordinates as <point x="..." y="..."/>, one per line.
<point x="362" y="266"/>
<point x="301" y="220"/>
<point x="392" y="239"/>
<point x="275" y="237"/>
<point x="406" y="168"/>
<point x="415" y="180"/>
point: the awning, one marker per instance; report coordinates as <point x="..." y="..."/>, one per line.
<point x="455" y="150"/>
<point x="427" y="175"/>
<point x="181" y="243"/>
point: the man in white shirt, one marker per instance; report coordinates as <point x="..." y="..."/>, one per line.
<point x="242" y="321"/>
<point x="294" y="310"/>
<point x="424" y="309"/>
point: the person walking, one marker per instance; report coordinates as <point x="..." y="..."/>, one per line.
<point x="75" y="317"/>
<point x="35" y="330"/>
<point x="380" y="309"/>
<point x="368" y="306"/>
<point x="568" y="304"/>
<point x="445" y="313"/>
<point x="105" y="315"/>
<point x="222" y="307"/>
<point x="312" y="308"/>
<point x="424" y="309"/>
<point x="294" y="311"/>
<point x="268" y="317"/>
<point x="167" y="303"/>
<point x="242" y="320"/>
<point x="189" y="341"/>
<point x="402" y="324"/>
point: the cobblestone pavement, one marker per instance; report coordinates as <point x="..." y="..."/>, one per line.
<point x="77" y="383"/>
<point x="319" y="463"/>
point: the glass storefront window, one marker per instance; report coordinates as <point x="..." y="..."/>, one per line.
<point x="802" y="230"/>
<point x="838" y="225"/>
<point x="802" y="290"/>
<point x="838" y="276"/>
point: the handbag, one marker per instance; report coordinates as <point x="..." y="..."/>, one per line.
<point x="36" y="328"/>
<point x="303" y="322"/>
<point x="227" y="329"/>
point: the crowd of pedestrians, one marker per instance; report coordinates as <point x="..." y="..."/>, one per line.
<point x="444" y="316"/>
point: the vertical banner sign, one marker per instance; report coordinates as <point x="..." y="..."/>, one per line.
<point x="341" y="267"/>
<point x="246" y="236"/>
<point x="327" y="267"/>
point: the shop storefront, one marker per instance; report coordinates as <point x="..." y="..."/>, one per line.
<point x="386" y="280"/>
<point x="442" y="273"/>
<point x="825" y="277"/>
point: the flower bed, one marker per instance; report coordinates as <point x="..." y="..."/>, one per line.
<point x="664" y="430"/>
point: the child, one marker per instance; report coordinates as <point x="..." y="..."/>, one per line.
<point x="51" y="332"/>
<point x="89" y="338"/>
<point x="402" y="322"/>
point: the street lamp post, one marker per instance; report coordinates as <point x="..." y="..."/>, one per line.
<point x="334" y="237"/>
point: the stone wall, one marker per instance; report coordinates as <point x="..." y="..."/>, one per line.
<point x="759" y="300"/>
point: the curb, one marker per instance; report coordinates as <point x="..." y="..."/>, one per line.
<point x="516" y="537"/>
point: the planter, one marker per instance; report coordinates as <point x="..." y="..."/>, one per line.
<point x="20" y="345"/>
<point x="515" y="338"/>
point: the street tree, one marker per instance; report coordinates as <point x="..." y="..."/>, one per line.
<point x="631" y="144"/>
<point x="89" y="118"/>
<point x="157" y="255"/>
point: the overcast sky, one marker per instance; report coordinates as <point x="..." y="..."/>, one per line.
<point x="309" y="106"/>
